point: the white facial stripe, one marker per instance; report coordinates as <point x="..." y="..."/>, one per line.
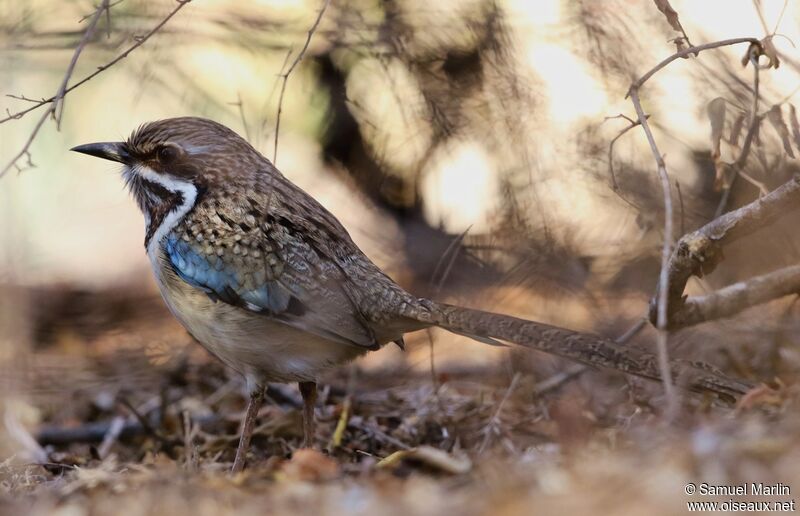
<point x="188" y="193"/>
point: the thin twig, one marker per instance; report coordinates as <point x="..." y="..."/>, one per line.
<point x="632" y="331"/>
<point x="680" y="203"/>
<point x="452" y="249"/>
<point x="687" y="52"/>
<point x="56" y="108"/>
<point x="754" y="117"/>
<point x="780" y="17"/>
<point x="189" y="435"/>
<point x="492" y="424"/>
<point x="23" y="97"/>
<point x="557" y="380"/>
<point x="432" y="361"/>
<point x="666" y="251"/>
<point x="760" y="13"/>
<point x="148" y="428"/>
<point x="662" y="298"/>
<point x="139" y="42"/>
<point x="285" y="77"/>
<point x="58" y="103"/>
<point x="755" y="120"/>
<point x="111" y="437"/>
<point x="631" y="125"/>
<point x="240" y="105"/>
<point x="732" y="299"/>
<point x="699" y="252"/>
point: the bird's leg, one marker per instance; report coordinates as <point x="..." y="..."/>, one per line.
<point x="256" y="399"/>
<point x="309" y="392"/>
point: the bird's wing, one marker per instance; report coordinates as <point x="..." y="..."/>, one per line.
<point x="240" y="254"/>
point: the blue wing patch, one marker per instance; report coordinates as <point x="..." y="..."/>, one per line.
<point x="220" y="280"/>
<point x="251" y="290"/>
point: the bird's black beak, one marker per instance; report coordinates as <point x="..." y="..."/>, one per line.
<point x="114" y="151"/>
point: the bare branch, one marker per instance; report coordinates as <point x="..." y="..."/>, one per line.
<point x="139" y="42"/>
<point x="680" y="203"/>
<point x="58" y="102"/>
<point x="672" y="18"/>
<point x="665" y="294"/>
<point x="732" y="299"/>
<point x="631" y="125"/>
<point x="666" y="251"/>
<point x="755" y="120"/>
<point x="285" y="76"/>
<point x="699" y="252"/>
<point x="56" y="108"/>
<point x="240" y="106"/>
<point x="687" y="52"/>
<point x="780" y="18"/>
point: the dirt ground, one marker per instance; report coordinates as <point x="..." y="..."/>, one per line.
<point x="134" y="418"/>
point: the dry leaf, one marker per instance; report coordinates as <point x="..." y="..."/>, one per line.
<point x="736" y="129"/>
<point x="716" y="115"/>
<point x="760" y="396"/>
<point x="429" y="456"/>
<point x="309" y="465"/>
<point x="669" y="13"/>
<point x="753" y="51"/>
<point x="757" y="131"/>
<point x="771" y="52"/>
<point x="764" y="47"/>
<point x="775" y="117"/>
<point x="722" y="175"/>
<point x="795" y="125"/>
<point x="680" y="45"/>
<point x="341" y="425"/>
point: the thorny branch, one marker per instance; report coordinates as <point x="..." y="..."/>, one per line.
<point x="54" y="101"/>
<point x="285" y="76"/>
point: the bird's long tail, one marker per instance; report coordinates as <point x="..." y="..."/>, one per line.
<point x="590" y="349"/>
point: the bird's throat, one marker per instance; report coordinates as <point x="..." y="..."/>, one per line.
<point x="157" y="214"/>
<point x="164" y="200"/>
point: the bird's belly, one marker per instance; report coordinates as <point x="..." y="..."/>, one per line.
<point x="257" y="346"/>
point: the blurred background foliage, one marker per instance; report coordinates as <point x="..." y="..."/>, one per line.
<point x="464" y="144"/>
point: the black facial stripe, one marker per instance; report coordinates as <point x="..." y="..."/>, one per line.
<point x="159" y="212"/>
<point x="158" y="190"/>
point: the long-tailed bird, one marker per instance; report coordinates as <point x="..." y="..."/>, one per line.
<point x="270" y="282"/>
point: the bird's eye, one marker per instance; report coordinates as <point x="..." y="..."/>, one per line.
<point x="168" y="153"/>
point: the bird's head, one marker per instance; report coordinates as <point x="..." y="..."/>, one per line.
<point x="170" y="164"/>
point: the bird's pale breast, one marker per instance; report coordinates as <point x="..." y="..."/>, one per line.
<point x="256" y="345"/>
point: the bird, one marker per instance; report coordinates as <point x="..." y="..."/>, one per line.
<point x="271" y="283"/>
